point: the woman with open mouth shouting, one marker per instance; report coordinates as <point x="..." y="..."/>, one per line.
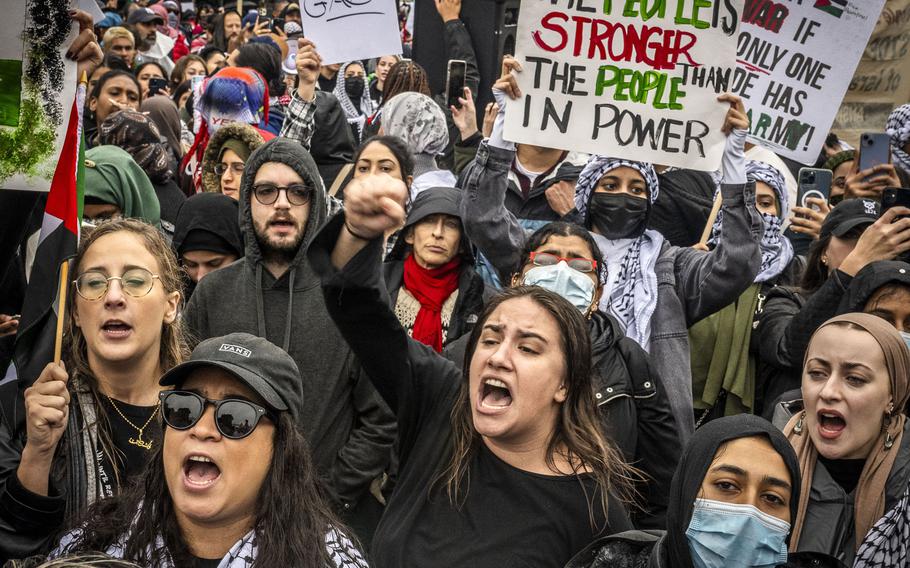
<point x="92" y="422"/>
<point x="851" y="439"/>
<point x="233" y="485"/>
<point x="503" y="465"/>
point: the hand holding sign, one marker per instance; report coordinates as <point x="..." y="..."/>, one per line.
<point x="84" y="49"/>
<point x="507" y="82"/>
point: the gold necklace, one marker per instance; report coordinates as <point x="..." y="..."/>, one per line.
<point x="136" y="442"/>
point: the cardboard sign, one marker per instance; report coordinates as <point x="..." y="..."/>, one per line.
<point x="635" y="79"/>
<point x="882" y="79"/>
<point x="796" y="60"/>
<point x="345" y="30"/>
<point x="36" y="95"/>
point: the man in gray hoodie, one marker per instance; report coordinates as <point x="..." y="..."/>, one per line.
<point x="272" y="292"/>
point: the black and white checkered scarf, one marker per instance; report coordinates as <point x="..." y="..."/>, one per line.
<point x="633" y="297"/>
<point x="776" y="249"/>
<point x="898" y="128"/>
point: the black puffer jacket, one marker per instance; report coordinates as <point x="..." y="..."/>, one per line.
<point x="627" y="391"/>
<point x="787" y="320"/>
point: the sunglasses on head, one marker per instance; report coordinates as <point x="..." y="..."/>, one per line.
<point x="235" y="418"/>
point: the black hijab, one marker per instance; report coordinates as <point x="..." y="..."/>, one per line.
<point x="694" y="465"/>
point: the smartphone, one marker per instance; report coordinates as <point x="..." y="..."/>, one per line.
<point x="157" y="84"/>
<point x="874" y="149"/>
<point x="895" y="197"/>
<point x="278" y="25"/>
<point x="455" y="82"/>
<point x="813" y="182"/>
<point x="263" y="21"/>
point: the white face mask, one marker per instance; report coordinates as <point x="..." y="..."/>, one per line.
<point x="574" y="286"/>
<point x="906" y="337"/>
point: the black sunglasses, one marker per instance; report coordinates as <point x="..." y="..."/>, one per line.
<point x="235" y="418"/>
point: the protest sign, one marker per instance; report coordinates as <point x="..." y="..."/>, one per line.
<point x="37" y="88"/>
<point x="796" y="60"/>
<point x="882" y="78"/>
<point x="635" y="79"/>
<point x="345" y="30"/>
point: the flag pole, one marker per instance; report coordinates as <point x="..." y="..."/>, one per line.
<point x="706" y="234"/>
<point x="61" y="310"/>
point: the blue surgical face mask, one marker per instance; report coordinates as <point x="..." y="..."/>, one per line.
<point x="906" y="337"/>
<point x="576" y="287"/>
<point x="725" y="535"/>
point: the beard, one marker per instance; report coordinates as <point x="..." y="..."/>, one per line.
<point x="275" y="248"/>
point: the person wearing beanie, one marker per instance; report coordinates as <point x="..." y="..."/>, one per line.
<point x="207" y="235"/>
<point x="116" y="187"/>
<point x="225" y="155"/>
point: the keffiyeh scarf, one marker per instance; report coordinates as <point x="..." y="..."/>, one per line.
<point x="776" y="249"/>
<point x="898" y="127"/>
<point x="632" y="298"/>
<point x="887" y="543"/>
<point x="350" y="111"/>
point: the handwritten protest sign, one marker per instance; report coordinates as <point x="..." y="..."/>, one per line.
<point x="344" y="30"/>
<point x="635" y="79"/>
<point x="37" y="88"/>
<point x="882" y="78"/>
<point x="796" y="60"/>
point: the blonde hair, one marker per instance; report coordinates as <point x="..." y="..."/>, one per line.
<point x="114" y="33"/>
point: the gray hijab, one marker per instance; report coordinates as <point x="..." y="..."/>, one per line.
<point x="418" y="120"/>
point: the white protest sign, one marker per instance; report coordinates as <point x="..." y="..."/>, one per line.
<point x="796" y="60"/>
<point x="345" y="30"/>
<point x="37" y="89"/>
<point x="611" y="77"/>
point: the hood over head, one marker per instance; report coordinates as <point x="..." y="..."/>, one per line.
<point x="436" y="200"/>
<point x="868" y="280"/>
<point x="245" y="135"/>
<point x="292" y="154"/>
<point x="206" y="220"/>
<point x="694" y="464"/>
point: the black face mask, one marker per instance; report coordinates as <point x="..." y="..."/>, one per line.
<point x="354" y="86"/>
<point x="618" y="215"/>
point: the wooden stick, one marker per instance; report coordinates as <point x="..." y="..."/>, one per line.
<point x="706" y="234"/>
<point x="61" y="310"/>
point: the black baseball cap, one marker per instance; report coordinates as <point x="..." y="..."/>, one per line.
<point x="261" y="365"/>
<point x="144" y="16"/>
<point x="848" y="215"/>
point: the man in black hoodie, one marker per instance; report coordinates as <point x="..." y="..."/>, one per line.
<point x="273" y="292"/>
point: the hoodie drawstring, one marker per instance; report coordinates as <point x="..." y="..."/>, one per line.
<point x="260" y="310"/>
<point x="287" y="327"/>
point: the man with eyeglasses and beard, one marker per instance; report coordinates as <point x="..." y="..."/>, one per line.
<point x="274" y="293"/>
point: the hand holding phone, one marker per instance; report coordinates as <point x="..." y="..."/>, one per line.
<point x="813" y="183"/>
<point x="156" y="85"/>
<point x="455" y="80"/>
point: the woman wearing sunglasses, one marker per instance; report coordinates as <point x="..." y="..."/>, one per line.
<point x="92" y="422"/>
<point x="233" y="485"/>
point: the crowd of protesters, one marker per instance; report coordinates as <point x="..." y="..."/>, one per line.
<point x="320" y="318"/>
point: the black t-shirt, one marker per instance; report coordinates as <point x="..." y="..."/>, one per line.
<point x="205" y="562"/>
<point x="510" y="517"/>
<point x="132" y="458"/>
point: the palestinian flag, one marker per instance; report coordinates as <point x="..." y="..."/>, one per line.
<point x="57" y="243"/>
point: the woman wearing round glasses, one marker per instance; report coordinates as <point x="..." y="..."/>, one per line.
<point x="92" y="423"/>
<point x="234" y="484"/>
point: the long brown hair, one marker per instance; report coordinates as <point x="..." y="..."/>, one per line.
<point x="577" y="435"/>
<point x="173" y="345"/>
